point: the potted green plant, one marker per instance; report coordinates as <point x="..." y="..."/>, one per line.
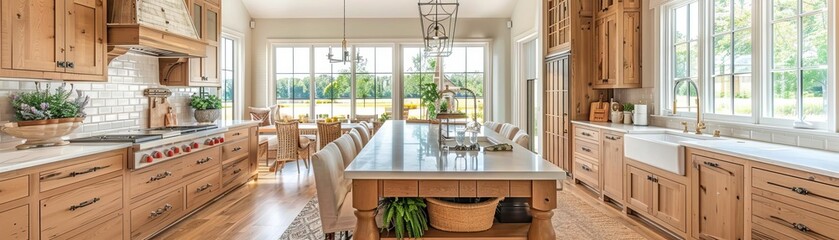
<point x="44" y="116"/>
<point x="628" y="108"/>
<point x="207" y="107"/>
<point x="405" y="217"/>
<point x="429" y="96"/>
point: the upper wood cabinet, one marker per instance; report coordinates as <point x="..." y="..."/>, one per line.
<point x="201" y="72"/>
<point x="717" y="189"/>
<point x="557" y="25"/>
<point x="618" y="29"/>
<point x="53" y="39"/>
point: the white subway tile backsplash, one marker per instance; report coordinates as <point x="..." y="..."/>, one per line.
<point x="816" y="143"/>
<point x="784" y="139"/>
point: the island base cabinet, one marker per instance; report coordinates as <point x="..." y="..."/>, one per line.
<point x="15" y="223"/>
<point x="783" y="221"/>
<point x="75" y="209"/>
<point x="717" y="190"/>
<point x="110" y="228"/>
<point x="151" y="216"/>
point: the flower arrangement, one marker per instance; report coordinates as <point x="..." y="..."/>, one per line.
<point x="204" y="101"/>
<point x="45" y="104"/>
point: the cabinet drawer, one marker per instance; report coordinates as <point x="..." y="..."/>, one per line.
<point x="234" y="173"/>
<point x="202" y="190"/>
<point x="149" y="217"/>
<point x="797" y="188"/>
<point x="794" y="222"/>
<point x="236" y="134"/>
<point x="15" y="223"/>
<point x="14" y="188"/>
<point x="97" y="165"/>
<point x="234" y="150"/>
<point x="75" y="208"/>
<point x="155" y="177"/>
<point x="589" y="134"/>
<point x="587" y="149"/>
<point x="586" y="171"/>
<point x="109" y="229"/>
<point x="198" y="162"/>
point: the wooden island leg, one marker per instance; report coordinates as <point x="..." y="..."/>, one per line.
<point x="542" y="204"/>
<point x="365" y="201"/>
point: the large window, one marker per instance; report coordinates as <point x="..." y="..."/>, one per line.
<point x="417" y="70"/>
<point x="307" y="83"/>
<point x="293" y="76"/>
<point x="373" y="82"/>
<point x="798" y="63"/>
<point x="729" y="51"/>
<point x="228" y="77"/>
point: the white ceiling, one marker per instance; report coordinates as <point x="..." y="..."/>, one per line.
<point x="370" y="8"/>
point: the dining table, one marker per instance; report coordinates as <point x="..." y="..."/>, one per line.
<point x="306" y="128"/>
<point x="408" y="160"/>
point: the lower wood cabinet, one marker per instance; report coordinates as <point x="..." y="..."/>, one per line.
<point x="73" y="209"/>
<point x="15" y="223"/>
<point x="110" y="227"/>
<point x="658" y="197"/>
<point x="202" y="190"/>
<point x="586" y="171"/>
<point x="717" y="191"/>
<point x="611" y="166"/>
<point x="156" y="213"/>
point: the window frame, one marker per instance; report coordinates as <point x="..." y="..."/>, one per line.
<point x="669" y="78"/>
<point x="238" y="71"/>
<point x="761" y="65"/>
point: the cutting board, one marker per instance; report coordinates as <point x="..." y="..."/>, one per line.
<point x="158" y="107"/>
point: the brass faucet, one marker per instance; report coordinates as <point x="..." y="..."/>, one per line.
<point x="685" y="127"/>
<point x="699" y="124"/>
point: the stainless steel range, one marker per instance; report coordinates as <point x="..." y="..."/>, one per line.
<point x="156" y="145"/>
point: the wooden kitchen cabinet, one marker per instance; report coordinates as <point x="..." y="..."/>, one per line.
<point x="557" y="24"/>
<point x="14" y="223"/>
<point x="53" y="39"/>
<point x="618" y="30"/>
<point x="717" y="189"/>
<point x="611" y="166"/>
<point x="656" y="196"/>
<point x="200" y="72"/>
<point x="556" y="111"/>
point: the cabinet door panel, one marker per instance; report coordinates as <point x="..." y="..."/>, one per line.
<point x="35" y="42"/>
<point x="15" y="223"/>
<point x="85" y="23"/>
<point x="638" y="189"/>
<point x="611" y="166"/>
<point x="631" y="45"/>
<point x="210" y="68"/>
<point x="718" y="207"/>
<point x="669" y="202"/>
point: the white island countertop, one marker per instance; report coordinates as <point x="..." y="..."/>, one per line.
<point x="401" y="150"/>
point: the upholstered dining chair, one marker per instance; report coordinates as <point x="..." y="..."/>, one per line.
<point x="522" y="139"/>
<point x="360" y="118"/>
<point x="334" y="192"/>
<point x="328" y="132"/>
<point x="509" y="130"/>
<point x="363" y="132"/>
<point x="356" y="138"/>
<point x="260" y="114"/>
<point x="347" y="146"/>
<point x="368" y="126"/>
<point x="291" y="146"/>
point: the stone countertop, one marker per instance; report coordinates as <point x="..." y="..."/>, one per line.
<point x="793" y="157"/>
<point x="401" y="150"/>
<point x="12" y="159"/>
<point x="798" y="158"/>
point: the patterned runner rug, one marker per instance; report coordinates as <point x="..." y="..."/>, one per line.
<point x="573" y="219"/>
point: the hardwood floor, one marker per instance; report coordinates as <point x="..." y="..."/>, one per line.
<point x="260" y="209"/>
<point x="263" y="209"/>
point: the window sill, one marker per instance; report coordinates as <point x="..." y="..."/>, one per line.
<point x="749" y="126"/>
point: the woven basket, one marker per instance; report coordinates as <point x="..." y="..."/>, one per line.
<point x="461" y="217"/>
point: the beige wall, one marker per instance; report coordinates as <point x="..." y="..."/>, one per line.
<point x="525" y="17"/>
<point x="406" y="29"/>
<point x="236" y="20"/>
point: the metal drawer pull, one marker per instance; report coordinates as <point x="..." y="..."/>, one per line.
<point x="237" y="134"/>
<point x="204" y="160"/>
<point x="84" y="204"/>
<point x="584" y="167"/>
<point x="803" y="191"/>
<point x="710" y="164"/>
<point x="797" y="226"/>
<point x="160" y="211"/>
<point x="612" y="138"/>
<point x="237" y="171"/>
<point x="585" y="134"/>
<point x="205" y="187"/>
<point x="93" y="169"/>
<point x="717" y="165"/>
<point x="51" y="175"/>
<point x="236" y="149"/>
<point x="159" y="176"/>
<point x="586" y="149"/>
<point x="800" y="190"/>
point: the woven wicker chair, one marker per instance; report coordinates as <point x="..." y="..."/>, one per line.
<point x="327" y="133"/>
<point x="291" y="146"/>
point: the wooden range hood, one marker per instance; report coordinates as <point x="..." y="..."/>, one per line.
<point x="160" y="28"/>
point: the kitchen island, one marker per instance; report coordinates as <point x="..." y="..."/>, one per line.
<point x="405" y="160"/>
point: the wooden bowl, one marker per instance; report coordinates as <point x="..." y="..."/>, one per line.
<point x="41" y="135"/>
